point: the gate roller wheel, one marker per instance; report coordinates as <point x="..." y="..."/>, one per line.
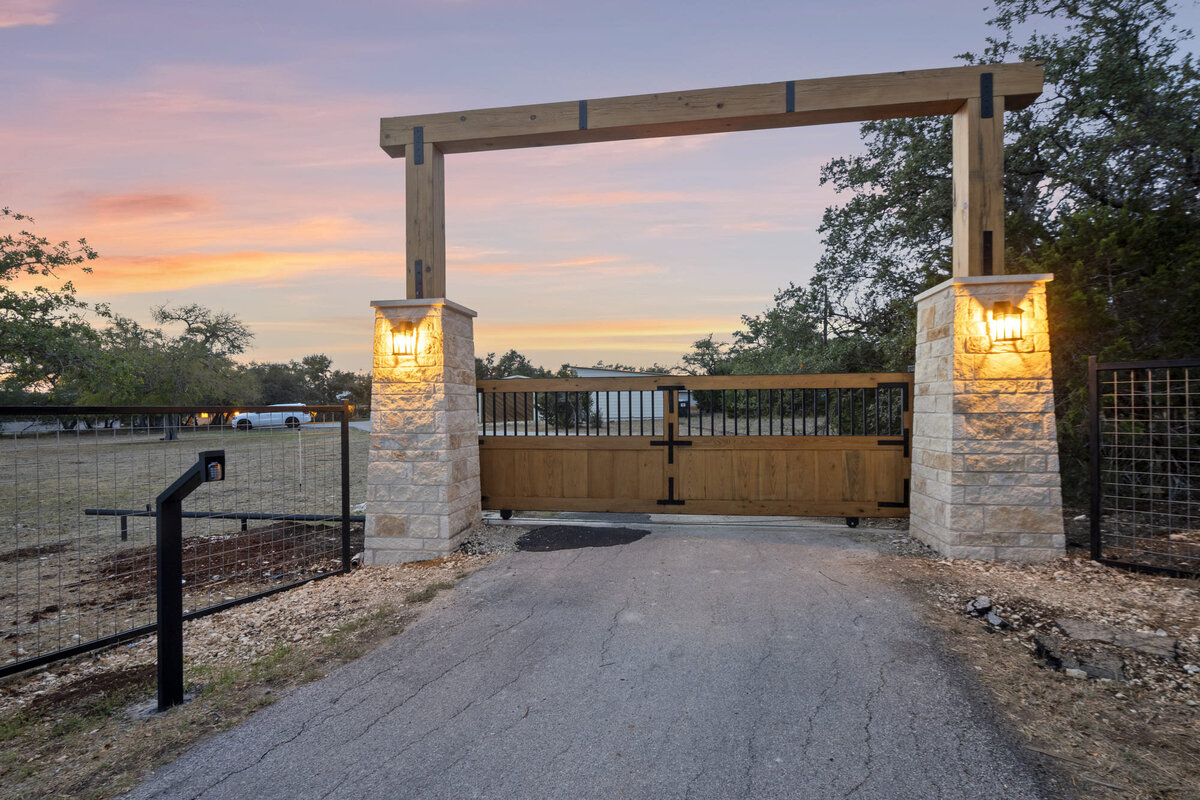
<point x="506" y="513"/>
<point x="851" y="522"/>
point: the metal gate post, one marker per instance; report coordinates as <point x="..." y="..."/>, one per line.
<point x="1094" y="454"/>
<point x="210" y="466"/>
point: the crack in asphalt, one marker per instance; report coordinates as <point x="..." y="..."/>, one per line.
<point x="318" y="718"/>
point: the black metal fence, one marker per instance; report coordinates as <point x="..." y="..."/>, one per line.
<point x="77" y="515"/>
<point x="1145" y="464"/>
<point x="766" y="411"/>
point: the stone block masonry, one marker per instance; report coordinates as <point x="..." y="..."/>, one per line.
<point x="423" y="463"/>
<point x="985" y="475"/>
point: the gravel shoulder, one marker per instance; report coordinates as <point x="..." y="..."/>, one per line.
<point x="1134" y="737"/>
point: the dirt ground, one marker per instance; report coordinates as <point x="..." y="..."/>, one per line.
<point x="79" y="729"/>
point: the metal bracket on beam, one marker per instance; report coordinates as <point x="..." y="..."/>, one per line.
<point x="986" y="105"/>
<point x="791" y="96"/>
<point x="583" y="115"/>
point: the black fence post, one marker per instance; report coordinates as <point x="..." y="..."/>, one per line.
<point x="1094" y="454"/>
<point x="346" y="554"/>
<point x="210" y="466"/>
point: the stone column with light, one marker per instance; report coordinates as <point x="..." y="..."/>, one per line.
<point x="985" y="473"/>
<point x="423" y="465"/>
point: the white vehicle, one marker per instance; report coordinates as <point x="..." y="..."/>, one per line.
<point x="289" y="415"/>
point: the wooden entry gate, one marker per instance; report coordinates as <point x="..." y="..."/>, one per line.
<point x="804" y="445"/>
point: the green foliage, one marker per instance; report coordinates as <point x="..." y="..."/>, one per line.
<point x="509" y="364"/>
<point x="656" y="368"/>
<point x="137" y="365"/>
<point x="310" y="380"/>
<point x="1102" y="188"/>
<point x="44" y="333"/>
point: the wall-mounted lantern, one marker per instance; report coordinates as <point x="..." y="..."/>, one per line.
<point x="404" y="339"/>
<point x="1005" y="323"/>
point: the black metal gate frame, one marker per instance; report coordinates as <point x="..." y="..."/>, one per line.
<point x="1095" y="367"/>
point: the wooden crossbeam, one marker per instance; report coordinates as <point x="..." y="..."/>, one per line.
<point x="977" y="96"/>
<point x="854" y="98"/>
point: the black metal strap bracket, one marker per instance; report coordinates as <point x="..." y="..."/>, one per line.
<point x="671" y="501"/>
<point x="419" y="144"/>
<point x="671" y="443"/>
<point x="883" y="504"/>
<point x="583" y="115"/>
<point x="987" y="107"/>
<point x="791" y="96"/>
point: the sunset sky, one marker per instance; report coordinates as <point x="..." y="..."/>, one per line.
<point x="226" y="153"/>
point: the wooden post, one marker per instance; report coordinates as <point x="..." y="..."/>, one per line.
<point x="979" y="186"/>
<point x="425" y="207"/>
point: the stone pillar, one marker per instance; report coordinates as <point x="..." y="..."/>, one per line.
<point x="985" y="476"/>
<point x="423" y="466"/>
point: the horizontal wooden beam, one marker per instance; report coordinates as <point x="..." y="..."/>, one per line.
<point x="855" y="98"/>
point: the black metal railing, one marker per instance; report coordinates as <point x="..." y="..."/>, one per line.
<point x="77" y="517"/>
<point x="735" y="411"/>
<point x="1145" y="464"/>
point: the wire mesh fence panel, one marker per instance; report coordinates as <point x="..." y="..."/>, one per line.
<point x="1145" y="432"/>
<point x="77" y="524"/>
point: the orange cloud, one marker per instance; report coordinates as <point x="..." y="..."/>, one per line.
<point x="131" y="274"/>
<point x="28" y="12"/>
<point x="143" y="204"/>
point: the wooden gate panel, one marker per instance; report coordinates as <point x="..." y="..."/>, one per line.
<point x="818" y="445"/>
<point x="552" y="473"/>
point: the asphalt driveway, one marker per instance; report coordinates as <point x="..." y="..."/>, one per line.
<point x="736" y="662"/>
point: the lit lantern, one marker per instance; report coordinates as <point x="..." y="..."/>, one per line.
<point x="404" y="339"/>
<point x="1005" y="324"/>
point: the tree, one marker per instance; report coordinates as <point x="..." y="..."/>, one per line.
<point x="134" y="364"/>
<point x="707" y="357"/>
<point x="509" y="364"/>
<point x="310" y="380"/>
<point x="44" y="332"/>
<point x="1102" y="188"/>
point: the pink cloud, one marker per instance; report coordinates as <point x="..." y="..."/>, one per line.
<point x="143" y="204"/>
<point x="15" y="13"/>
<point x="613" y="198"/>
